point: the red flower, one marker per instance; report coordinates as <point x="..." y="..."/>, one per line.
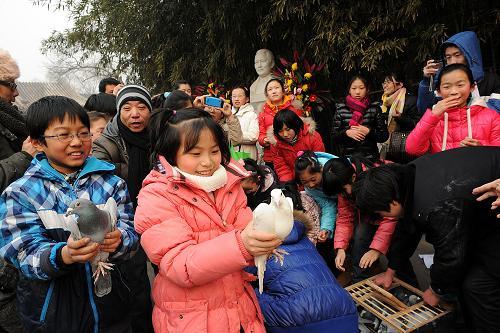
<point x="308" y="108"/>
<point x="313" y="98"/>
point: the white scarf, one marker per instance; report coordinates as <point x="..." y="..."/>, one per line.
<point x="208" y="184"/>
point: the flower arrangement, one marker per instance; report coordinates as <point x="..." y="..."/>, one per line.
<point x="213" y="89"/>
<point x="299" y="78"/>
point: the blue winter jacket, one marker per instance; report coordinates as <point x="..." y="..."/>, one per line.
<point x="468" y="43"/>
<point x="327" y="204"/>
<point x="53" y="296"/>
<point x="303" y="295"/>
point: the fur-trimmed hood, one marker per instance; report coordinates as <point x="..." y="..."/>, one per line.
<point x="309" y="128"/>
<point x="301" y="227"/>
<point x="9" y="71"/>
<point x="302" y="217"/>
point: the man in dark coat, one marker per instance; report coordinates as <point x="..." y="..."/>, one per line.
<point x="433" y="195"/>
<point x="16" y="153"/>
<point x="125" y="143"/>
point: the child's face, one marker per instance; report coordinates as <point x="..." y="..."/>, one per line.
<point x="249" y="185"/>
<point x="358" y="90"/>
<point x="97" y="127"/>
<point x="456" y="84"/>
<point x="274" y="92"/>
<point x="204" y="159"/>
<point x="310" y="180"/>
<point x="287" y="134"/>
<point x="66" y="156"/>
<point x="238" y="97"/>
<point x="395" y="210"/>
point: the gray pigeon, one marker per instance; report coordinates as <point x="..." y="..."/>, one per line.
<point x="94" y="223"/>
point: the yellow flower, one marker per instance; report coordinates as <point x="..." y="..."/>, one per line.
<point x="299" y="97"/>
<point x="305" y="87"/>
<point x="294" y="66"/>
<point x="307" y="76"/>
<point x="210" y="85"/>
<point x="289" y="82"/>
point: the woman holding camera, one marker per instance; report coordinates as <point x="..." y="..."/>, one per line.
<point x="223" y="116"/>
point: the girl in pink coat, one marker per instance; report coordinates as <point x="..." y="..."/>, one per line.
<point x="194" y="223"/>
<point x="453" y="122"/>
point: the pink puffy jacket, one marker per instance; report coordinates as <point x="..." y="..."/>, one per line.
<point x="345" y="225"/>
<point x="195" y="241"/>
<point x="431" y="131"/>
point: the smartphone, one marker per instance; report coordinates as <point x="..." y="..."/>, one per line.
<point x="438" y="65"/>
<point x="214" y="101"/>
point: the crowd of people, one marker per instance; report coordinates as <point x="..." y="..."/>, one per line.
<point x="187" y="171"/>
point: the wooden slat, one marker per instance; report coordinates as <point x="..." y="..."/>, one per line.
<point x="390" y="309"/>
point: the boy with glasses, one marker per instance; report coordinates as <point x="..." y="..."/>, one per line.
<point x="55" y="292"/>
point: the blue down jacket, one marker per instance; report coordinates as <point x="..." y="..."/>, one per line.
<point x="303" y="295"/>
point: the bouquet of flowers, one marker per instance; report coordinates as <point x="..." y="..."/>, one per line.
<point x="213" y="89"/>
<point x="299" y="78"/>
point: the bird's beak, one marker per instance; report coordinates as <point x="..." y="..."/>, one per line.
<point x="69" y="212"/>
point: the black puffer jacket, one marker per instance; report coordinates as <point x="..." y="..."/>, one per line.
<point x="440" y="204"/>
<point x="373" y="119"/>
<point x="13" y="164"/>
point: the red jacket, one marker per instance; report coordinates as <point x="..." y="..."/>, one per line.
<point x="266" y="118"/>
<point x="345" y="225"/>
<point x="285" y="154"/>
<point x="429" y="133"/>
<point x="194" y="239"/>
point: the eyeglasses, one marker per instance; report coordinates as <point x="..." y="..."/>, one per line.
<point x="66" y="137"/>
<point x="12" y="85"/>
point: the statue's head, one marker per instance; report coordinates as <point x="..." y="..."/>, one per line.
<point x="264" y="62"/>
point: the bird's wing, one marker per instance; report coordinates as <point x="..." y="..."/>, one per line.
<point x="112" y="209"/>
<point x="284" y="218"/>
<point x="52" y="220"/>
<point x="263" y="218"/>
<point x="72" y="226"/>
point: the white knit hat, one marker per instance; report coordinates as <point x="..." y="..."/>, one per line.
<point x="9" y="71"/>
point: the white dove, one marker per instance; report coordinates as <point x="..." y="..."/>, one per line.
<point x="276" y="217"/>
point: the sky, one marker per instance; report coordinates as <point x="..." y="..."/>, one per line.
<point x="24" y="27"/>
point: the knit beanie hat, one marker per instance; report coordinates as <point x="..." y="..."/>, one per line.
<point x="133" y="92"/>
<point x="9" y="71"/>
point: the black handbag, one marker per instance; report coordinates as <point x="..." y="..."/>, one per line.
<point x="395" y="149"/>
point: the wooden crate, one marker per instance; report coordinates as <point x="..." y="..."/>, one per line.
<point x="387" y="307"/>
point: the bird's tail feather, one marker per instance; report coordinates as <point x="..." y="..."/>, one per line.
<point x="261" y="269"/>
<point x="103" y="285"/>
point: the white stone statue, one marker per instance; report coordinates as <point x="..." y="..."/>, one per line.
<point x="264" y="63"/>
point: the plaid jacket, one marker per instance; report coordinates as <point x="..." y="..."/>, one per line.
<point x="54" y="296"/>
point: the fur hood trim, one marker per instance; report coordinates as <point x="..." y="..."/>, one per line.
<point x="302" y="217"/>
<point x="9" y="71"/>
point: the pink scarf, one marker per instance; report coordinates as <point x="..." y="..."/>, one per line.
<point x="357" y="108"/>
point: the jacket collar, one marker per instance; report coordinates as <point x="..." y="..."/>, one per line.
<point x="243" y="109"/>
<point x="41" y="168"/>
<point x="235" y="172"/>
